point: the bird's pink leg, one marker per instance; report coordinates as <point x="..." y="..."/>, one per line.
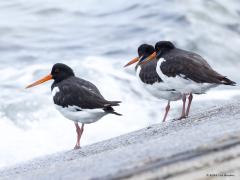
<point x="166" y="111"/>
<point x="190" y="97"/>
<point x="183" y="115"/>
<point x="79" y="134"/>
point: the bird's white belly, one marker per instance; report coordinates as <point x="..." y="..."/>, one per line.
<point x="159" y="89"/>
<point x="185" y="86"/>
<point x="158" y="93"/>
<point x="85" y="116"/>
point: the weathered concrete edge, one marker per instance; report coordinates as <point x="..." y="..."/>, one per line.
<point x="199" y="152"/>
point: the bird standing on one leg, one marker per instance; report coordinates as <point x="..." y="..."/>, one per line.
<point x="77" y="99"/>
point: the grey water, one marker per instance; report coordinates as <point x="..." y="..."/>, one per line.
<point x="96" y="38"/>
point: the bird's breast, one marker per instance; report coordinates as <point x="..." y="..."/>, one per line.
<point x="55" y="90"/>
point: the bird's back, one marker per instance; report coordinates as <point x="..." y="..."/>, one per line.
<point x="186" y="55"/>
<point x="78" y="92"/>
<point x="192" y="66"/>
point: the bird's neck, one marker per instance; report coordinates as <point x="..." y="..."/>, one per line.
<point x="138" y="64"/>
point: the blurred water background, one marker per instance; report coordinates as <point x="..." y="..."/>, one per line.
<point x="96" y="38"/>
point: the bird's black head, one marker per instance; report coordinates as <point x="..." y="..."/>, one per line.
<point x="144" y="51"/>
<point x="61" y="71"/>
<point x="162" y="47"/>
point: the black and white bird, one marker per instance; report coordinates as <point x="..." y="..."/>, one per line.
<point x="149" y="78"/>
<point x="77" y="99"/>
<point x="184" y="71"/>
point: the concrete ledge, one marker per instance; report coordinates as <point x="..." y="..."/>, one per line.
<point x="205" y="144"/>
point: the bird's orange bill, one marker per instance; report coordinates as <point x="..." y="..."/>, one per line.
<point x="132" y="61"/>
<point x="149" y="58"/>
<point x="40" y="81"/>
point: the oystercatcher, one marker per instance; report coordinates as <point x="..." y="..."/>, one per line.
<point x="77" y="99"/>
<point x="148" y="77"/>
<point x="185" y="71"/>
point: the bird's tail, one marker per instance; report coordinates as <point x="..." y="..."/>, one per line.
<point x="108" y="107"/>
<point x="227" y="81"/>
<point x="113" y="103"/>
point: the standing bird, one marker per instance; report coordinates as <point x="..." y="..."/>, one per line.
<point x="185" y="71"/>
<point x="148" y="77"/>
<point x="77" y="99"/>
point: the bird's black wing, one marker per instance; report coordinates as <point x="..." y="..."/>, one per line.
<point x="190" y="67"/>
<point x="80" y="93"/>
<point x="148" y="74"/>
<point x="90" y="86"/>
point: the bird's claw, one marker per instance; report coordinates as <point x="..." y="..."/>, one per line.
<point x="182" y="117"/>
<point x="77" y="147"/>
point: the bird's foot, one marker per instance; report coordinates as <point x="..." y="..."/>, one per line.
<point x="149" y="127"/>
<point x="77" y="147"/>
<point x="182" y="117"/>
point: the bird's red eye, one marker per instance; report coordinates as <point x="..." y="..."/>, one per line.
<point x="57" y="71"/>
